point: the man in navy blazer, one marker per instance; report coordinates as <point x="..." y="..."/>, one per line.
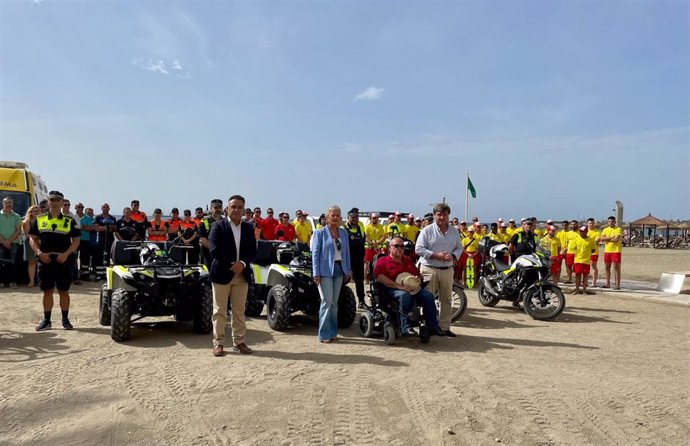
<point x="233" y="247"/>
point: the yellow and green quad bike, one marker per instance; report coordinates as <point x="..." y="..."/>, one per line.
<point x="283" y="282"/>
<point x="151" y="279"/>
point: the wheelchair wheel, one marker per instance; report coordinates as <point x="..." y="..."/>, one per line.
<point x="388" y="334"/>
<point x="366" y="324"/>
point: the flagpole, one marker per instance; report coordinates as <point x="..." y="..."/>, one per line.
<point x="467" y="195"/>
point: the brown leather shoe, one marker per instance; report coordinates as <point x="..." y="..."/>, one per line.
<point x="242" y="348"/>
<point x="218" y="350"/>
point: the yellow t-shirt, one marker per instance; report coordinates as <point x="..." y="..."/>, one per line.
<point x="504" y="236"/>
<point x="552" y="243"/>
<point x="612" y="232"/>
<point x="594" y="234"/>
<point x="470" y="244"/>
<point x="498" y="237"/>
<point x="583" y="249"/>
<point x="510" y="231"/>
<point x="539" y="232"/>
<point x="572" y="236"/>
<point x="412" y="231"/>
<point x="563" y="237"/>
<point x="303" y="232"/>
<point x="373" y="233"/>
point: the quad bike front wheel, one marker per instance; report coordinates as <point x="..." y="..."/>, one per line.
<point x="204" y="311"/>
<point x="347" y="307"/>
<point x="120" y="315"/>
<point x="278" y="307"/>
<point x="254" y="306"/>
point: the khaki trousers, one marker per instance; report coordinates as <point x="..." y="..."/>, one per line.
<point x="441" y="281"/>
<point x="237" y="291"/>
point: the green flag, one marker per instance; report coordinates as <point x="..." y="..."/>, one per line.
<point x="470" y="187"/>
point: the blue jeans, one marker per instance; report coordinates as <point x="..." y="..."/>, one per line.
<point x="328" y="312"/>
<point x="406" y="303"/>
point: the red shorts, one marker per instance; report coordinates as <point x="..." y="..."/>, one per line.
<point x="555" y="265"/>
<point x="369" y="255"/>
<point x="612" y="257"/>
<point x="581" y="268"/>
<point x="594" y="258"/>
<point x="569" y="259"/>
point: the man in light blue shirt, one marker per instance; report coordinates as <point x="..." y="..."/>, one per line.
<point x="438" y="247"/>
<point x="10" y="230"/>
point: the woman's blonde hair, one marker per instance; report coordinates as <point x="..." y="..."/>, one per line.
<point x="28" y="212"/>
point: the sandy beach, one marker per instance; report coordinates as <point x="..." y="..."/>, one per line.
<point x="611" y="370"/>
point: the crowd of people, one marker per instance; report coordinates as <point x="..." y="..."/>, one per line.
<point x="68" y="247"/>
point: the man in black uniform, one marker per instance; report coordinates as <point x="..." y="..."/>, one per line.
<point x="127" y="228"/>
<point x="355" y="232"/>
<point x="54" y="237"/>
<point x="523" y="242"/>
<point x="215" y="214"/>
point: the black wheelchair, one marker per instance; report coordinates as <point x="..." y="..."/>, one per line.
<point x="383" y="316"/>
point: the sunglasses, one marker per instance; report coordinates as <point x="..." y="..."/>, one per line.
<point x="337" y="244"/>
<point x="397" y="246"/>
<point x="187" y="213"/>
<point x="270" y="212"/>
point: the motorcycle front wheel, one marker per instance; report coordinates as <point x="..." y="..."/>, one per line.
<point x="544" y="303"/>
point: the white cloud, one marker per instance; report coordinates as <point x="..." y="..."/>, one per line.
<point x="151" y="65"/>
<point x="370" y="94"/>
<point x="176" y="65"/>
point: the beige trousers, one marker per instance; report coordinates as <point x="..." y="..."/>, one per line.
<point x="441" y="281"/>
<point x="237" y="291"/>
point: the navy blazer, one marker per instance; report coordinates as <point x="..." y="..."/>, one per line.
<point x="221" y="244"/>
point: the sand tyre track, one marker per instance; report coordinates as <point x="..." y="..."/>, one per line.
<point x="120" y="315"/>
<point x="347" y="307"/>
<point x="204" y="311"/>
<point x="104" y="306"/>
<point x="545" y="307"/>
<point x="485" y="298"/>
<point x="278" y="307"/>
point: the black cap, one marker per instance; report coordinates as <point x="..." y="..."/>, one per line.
<point x="55" y="194"/>
<point x="157" y="211"/>
<point x="175" y="210"/>
<point x="353" y="211"/>
<point x="248" y="211"/>
<point x="216" y="201"/>
<point x="199" y="209"/>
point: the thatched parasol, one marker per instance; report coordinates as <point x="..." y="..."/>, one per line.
<point x="650" y="221"/>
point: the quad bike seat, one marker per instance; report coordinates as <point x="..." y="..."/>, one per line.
<point x="266" y="252"/>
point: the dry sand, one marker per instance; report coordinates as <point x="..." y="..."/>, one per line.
<point x="611" y="370"/>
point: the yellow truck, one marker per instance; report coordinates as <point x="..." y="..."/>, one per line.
<point x="25" y="187"/>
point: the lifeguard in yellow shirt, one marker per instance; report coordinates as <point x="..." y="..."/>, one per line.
<point x="583" y="246"/>
<point x="551" y="242"/>
<point x="593" y="233"/>
<point x="613" y="249"/>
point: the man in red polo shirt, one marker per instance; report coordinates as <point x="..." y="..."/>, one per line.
<point x="268" y="226"/>
<point x="387" y="270"/>
<point x="285" y="231"/>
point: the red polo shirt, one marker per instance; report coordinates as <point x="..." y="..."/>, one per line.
<point x="288" y="232"/>
<point x="391" y="269"/>
<point x="268" y="227"/>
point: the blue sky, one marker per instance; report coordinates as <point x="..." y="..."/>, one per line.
<point x="555" y="108"/>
